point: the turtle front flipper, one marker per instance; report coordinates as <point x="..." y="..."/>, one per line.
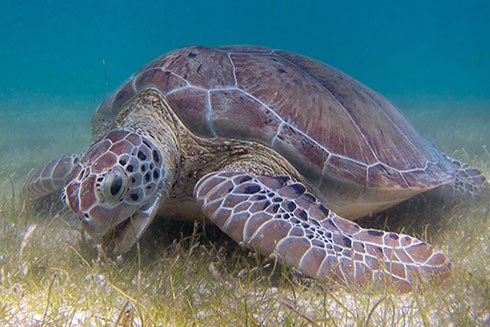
<point x="277" y="216"/>
<point x="50" y="178"/>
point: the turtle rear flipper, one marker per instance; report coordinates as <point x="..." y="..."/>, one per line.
<point x="468" y="182"/>
<point x="48" y="179"/>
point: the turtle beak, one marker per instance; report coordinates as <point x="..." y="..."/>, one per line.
<point x="110" y="225"/>
<point x="95" y="228"/>
<point x="128" y="232"/>
<point x="98" y="221"/>
<point x="117" y="228"/>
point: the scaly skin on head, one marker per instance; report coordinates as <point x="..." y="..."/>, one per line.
<point x="124" y="177"/>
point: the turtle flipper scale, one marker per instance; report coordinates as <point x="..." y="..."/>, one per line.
<point x="278" y="216"/>
<point x="50" y="178"/>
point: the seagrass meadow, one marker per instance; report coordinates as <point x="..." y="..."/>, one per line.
<point x="193" y="275"/>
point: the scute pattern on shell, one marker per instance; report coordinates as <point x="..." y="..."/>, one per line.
<point x="320" y="119"/>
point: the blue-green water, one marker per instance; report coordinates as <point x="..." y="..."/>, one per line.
<point x="56" y="48"/>
<point x="59" y="59"/>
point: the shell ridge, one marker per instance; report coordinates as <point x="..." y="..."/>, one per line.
<point x="279" y="129"/>
<point x="234" y="69"/>
<point x="210" y="113"/>
<point x="285" y="122"/>
<point x="171" y="73"/>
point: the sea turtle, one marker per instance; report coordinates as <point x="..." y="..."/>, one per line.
<point x="280" y="151"/>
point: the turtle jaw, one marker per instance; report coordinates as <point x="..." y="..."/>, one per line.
<point x="125" y="228"/>
<point x="104" y="222"/>
<point x="116" y="226"/>
<point x="96" y="230"/>
<point x="117" y="230"/>
<point x="129" y="231"/>
<point x="101" y="222"/>
<point x="108" y="235"/>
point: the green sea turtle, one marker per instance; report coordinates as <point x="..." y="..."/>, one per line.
<point x="280" y="151"/>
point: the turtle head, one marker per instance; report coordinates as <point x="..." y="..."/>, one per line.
<point x="119" y="177"/>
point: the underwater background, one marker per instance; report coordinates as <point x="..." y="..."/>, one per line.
<point x="59" y="59"/>
<point x="56" y="49"/>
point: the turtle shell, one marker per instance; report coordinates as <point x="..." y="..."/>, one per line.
<point x="349" y="142"/>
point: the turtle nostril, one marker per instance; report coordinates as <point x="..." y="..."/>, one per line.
<point x="116" y="185"/>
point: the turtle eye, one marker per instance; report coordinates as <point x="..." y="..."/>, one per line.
<point x="113" y="186"/>
<point x="116" y="185"/>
